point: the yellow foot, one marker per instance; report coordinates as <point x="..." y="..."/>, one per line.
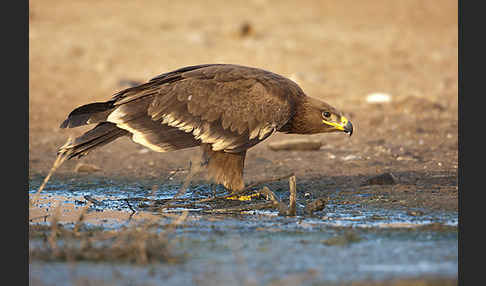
<point x="246" y="197"/>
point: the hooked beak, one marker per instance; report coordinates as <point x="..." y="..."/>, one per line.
<point x="345" y="125"/>
<point x="348" y="128"/>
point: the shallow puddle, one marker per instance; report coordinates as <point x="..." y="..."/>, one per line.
<point x="342" y="243"/>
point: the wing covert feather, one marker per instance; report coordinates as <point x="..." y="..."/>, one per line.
<point x="228" y="106"/>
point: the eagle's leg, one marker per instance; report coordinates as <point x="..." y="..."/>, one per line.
<point x="224" y="168"/>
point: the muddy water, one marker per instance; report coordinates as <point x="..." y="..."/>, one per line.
<point x="342" y="243"/>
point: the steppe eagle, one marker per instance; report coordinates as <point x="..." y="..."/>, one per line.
<point x="223" y="108"/>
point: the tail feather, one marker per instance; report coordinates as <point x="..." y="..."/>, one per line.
<point x="87" y="114"/>
<point x="100" y="135"/>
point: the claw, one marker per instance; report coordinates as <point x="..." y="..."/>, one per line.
<point x="245" y="197"/>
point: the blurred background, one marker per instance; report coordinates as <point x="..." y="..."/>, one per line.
<point x="390" y="65"/>
<point x="340" y="51"/>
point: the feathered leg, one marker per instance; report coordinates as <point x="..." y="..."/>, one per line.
<point x="225" y="168"/>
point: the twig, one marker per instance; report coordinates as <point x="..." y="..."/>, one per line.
<point x="187" y="180"/>
<point x="130" y="206"/>
<point x="44" y="217"/>
<point x="206" y="200"/>
<point x="265" y="181"/>
<point x="316" y="205"/>
<point x="256" y="206"/>
<point x="81" y="218"/>
<point x="282" y="208"/>
<point x="52" y="237"/>
<point x="59" y="160"/>
<point x="92" y="200"/>
<point x="173" y="173"/>
<point x="293" y="196"/>
<point x="178" y="220"/>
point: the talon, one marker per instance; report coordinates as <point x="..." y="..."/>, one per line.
<point x="245" y="197"/>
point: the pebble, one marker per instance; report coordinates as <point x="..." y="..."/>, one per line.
<point x="349" y="157"/>
<point x="382" y="179"/>
<point x="86" y="168"/>
<point x="296" y="144"/>
<point x="246" y="29"/>
<point x="415" y="213"/>
<point x="378" y="97"/>
<point x="317" y="205"/>
<point x="405" y="158"/>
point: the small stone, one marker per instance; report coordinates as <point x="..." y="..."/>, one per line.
<point x="315" y="206"/>
<point x="341" y="240"/>
<point x="405" y="158"/>
<point x="349" y="157"/>
<point x="382" y="179"/>
<point x="331" y="156"/>
<point x="415" y="213"/>
<point x="296" y="144"/>
<point x="86" y="168"/>
<point x="378" y="97"/>
<point x="246" y="29"/>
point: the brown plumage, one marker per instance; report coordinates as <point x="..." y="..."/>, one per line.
<point x="225" y="109"/>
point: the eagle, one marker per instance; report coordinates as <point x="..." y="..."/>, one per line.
<point x="225" y="109"/>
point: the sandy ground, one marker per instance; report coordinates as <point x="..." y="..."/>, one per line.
<point x="339" y="51"/>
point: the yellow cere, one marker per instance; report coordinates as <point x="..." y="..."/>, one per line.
<point x="339" y="126"/>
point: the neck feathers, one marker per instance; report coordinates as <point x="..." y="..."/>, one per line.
<point x="306" y="119"/>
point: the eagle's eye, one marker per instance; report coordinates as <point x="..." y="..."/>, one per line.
<point x="326" y="114"/>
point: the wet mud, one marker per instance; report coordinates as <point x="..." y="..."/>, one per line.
<point x="341" y="243"/>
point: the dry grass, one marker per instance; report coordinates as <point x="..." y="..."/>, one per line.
<point x="139" y="243"/>
<point x="57" y="163"/>
<point x="254" y="199"/>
